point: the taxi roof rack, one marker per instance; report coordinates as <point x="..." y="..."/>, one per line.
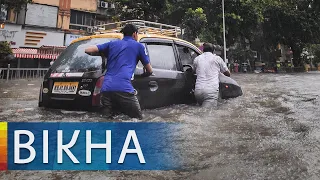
<point x="145" y="27"/>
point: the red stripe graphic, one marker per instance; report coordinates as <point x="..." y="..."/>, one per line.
<point x="3" y="166"/>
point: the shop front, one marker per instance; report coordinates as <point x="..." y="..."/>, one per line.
<point x="32" y="47"/>
<point x="35" y="58"/>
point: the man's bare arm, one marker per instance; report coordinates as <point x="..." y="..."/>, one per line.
<point x="92" y="50"/>
<point x="224" y="68"/>
<point x="147" y="70"/>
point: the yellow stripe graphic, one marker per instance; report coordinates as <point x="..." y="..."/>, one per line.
<point x="3" y="134"/>
<point x="3" y="142"/>
<point x="3" y="145"/>
<point x="3" y="126"/>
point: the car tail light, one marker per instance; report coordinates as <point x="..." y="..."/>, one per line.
<point x="96" y="92"/>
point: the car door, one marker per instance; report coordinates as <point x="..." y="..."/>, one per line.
<point x="187" y="54"/>
<point x="161" y="89"/>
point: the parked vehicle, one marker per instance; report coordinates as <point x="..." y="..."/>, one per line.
<point x="76" y="78"/>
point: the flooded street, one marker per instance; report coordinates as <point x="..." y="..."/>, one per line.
<point x="271" y="132"/>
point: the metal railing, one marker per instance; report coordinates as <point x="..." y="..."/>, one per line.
<point x="22" y="73"/>
<point x="144" y="27"/>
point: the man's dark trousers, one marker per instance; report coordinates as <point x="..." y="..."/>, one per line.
<point x="124" y="102"/>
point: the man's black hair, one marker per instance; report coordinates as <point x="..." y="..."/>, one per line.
<point x="208" y="47"/>
<point x="129" y="29"/>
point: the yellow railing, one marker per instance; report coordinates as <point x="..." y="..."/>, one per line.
<point x="145" y="27"/>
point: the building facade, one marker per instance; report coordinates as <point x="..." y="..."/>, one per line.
<point x="52" y="23"/>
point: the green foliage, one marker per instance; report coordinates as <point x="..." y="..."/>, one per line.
<point x="15" y="4"/>
<point x="294" y="23"/>
<point x="5" y="48"/>
<point x="194" y="21"/>
<point x="314" y="50"/>
<point x="259" y="24"/>
<point x="151" y="10"/>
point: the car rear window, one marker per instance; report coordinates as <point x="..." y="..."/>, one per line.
<point x="74" y="59"/>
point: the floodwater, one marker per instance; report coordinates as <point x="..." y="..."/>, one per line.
<point x="271" y="132"/>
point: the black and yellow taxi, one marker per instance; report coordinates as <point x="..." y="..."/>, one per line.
<point x="75" y="78"/>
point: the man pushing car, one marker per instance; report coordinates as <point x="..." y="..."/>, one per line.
<point x="208" y="66"/>
<point x="122" y="58"/>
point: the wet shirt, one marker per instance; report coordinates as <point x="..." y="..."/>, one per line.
<point x="122" y="58"/>
<point x="208" y="66"/>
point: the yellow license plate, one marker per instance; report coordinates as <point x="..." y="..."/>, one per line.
<point x="65" y="88"/>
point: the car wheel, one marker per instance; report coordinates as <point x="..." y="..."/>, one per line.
<point x="44" y="103"/>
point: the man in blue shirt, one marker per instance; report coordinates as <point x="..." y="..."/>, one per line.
<point x="122" y="58"/>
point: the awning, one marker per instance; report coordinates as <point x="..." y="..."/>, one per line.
<point x="48" y="56"/>
<point x="34" y="53"/>
<point x="50" y="52"/>
<point x="25" y="53"/>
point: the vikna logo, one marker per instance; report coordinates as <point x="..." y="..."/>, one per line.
<point x="86" y="146"/>
<point x="66" y="147"/>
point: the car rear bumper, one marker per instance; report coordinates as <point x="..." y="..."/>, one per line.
<point x="83" y="97"/>
<point x="69" y="102"/>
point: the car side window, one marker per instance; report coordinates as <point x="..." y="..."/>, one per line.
<point x="162" y="56"/>
<point x="187" y="55"/>
<point x="194" y="54"/>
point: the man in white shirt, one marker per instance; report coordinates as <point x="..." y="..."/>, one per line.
<point x="208" y="66"/>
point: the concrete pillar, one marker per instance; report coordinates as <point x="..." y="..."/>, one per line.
<point x="64" y="14"/>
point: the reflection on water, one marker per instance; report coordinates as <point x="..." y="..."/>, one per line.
<point x="271" y="132"/>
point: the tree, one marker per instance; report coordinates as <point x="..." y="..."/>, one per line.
<point x="194" y="21"/>
<point x="150" y="10"/>
<point x="314" y="50"/>
<point x="293" y="23"/>
<point x="5" y="51"/>
<point x="242" y="18"/>
<point x="256" y="24"/>
<point x="15" y="4"/>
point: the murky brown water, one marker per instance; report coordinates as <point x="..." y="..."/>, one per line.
<point x="271" y="132"/>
